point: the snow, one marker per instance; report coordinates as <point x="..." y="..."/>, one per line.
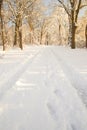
<point x="43" y="88"/>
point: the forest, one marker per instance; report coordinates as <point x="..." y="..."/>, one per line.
<point x="33" y="22"/>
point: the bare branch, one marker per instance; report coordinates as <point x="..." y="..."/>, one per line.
<point x="77" y="11"/>
<point x="11" y="8"/>
<point x="64" y="6"/>
<point x="82" y="6"/>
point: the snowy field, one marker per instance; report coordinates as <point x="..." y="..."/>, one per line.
<point x="43" y="88"/>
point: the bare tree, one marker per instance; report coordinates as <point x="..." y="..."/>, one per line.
<point x="1" y="1"/>
<point x="72" y="8"/>
<point x="86" y="35"/>
<point x="34" y="19"/>
<point x="2" y="24"/>
<point x="18" y="13"/>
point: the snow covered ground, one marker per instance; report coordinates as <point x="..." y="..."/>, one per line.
<point x="43" y="88"/>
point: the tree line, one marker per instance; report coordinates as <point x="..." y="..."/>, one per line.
<point x="42" y="28"/>
<point x="72" y="8"/>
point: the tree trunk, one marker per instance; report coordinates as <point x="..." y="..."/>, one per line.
<point x="70" y="31"/>
<point x="18" y="32"/>
<point x="1" y="2"/>
<point x="47" y="39"/>
<point x="31" y="30"/>
<point x="2" y="26"/>
<point x="60" y="38"/>
<point x="31" y="37"/>
<point x="73" y="36"/>
<point x="73" y="27"/>
<point x="41" y="35"/>
<point x="2" y="33"/>
<point x="15" y="36"/>
<point x="86" y="35"/>
<point x="20" y="39"/>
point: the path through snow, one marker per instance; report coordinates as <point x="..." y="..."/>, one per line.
<point x="37" y="92"/>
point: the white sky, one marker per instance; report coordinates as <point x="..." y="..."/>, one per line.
<point x="81" y="11"/>
<point x="46" y="1"/>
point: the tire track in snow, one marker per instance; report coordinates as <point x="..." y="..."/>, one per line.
<point x="56" y="97"/>
<point x="10" y="81"/>
<point x="34" y="101"/>
<point x="76" y="79"/>
<point x="67" y="107"/>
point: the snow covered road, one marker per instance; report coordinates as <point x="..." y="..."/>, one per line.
<point x="42" y="88"/>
